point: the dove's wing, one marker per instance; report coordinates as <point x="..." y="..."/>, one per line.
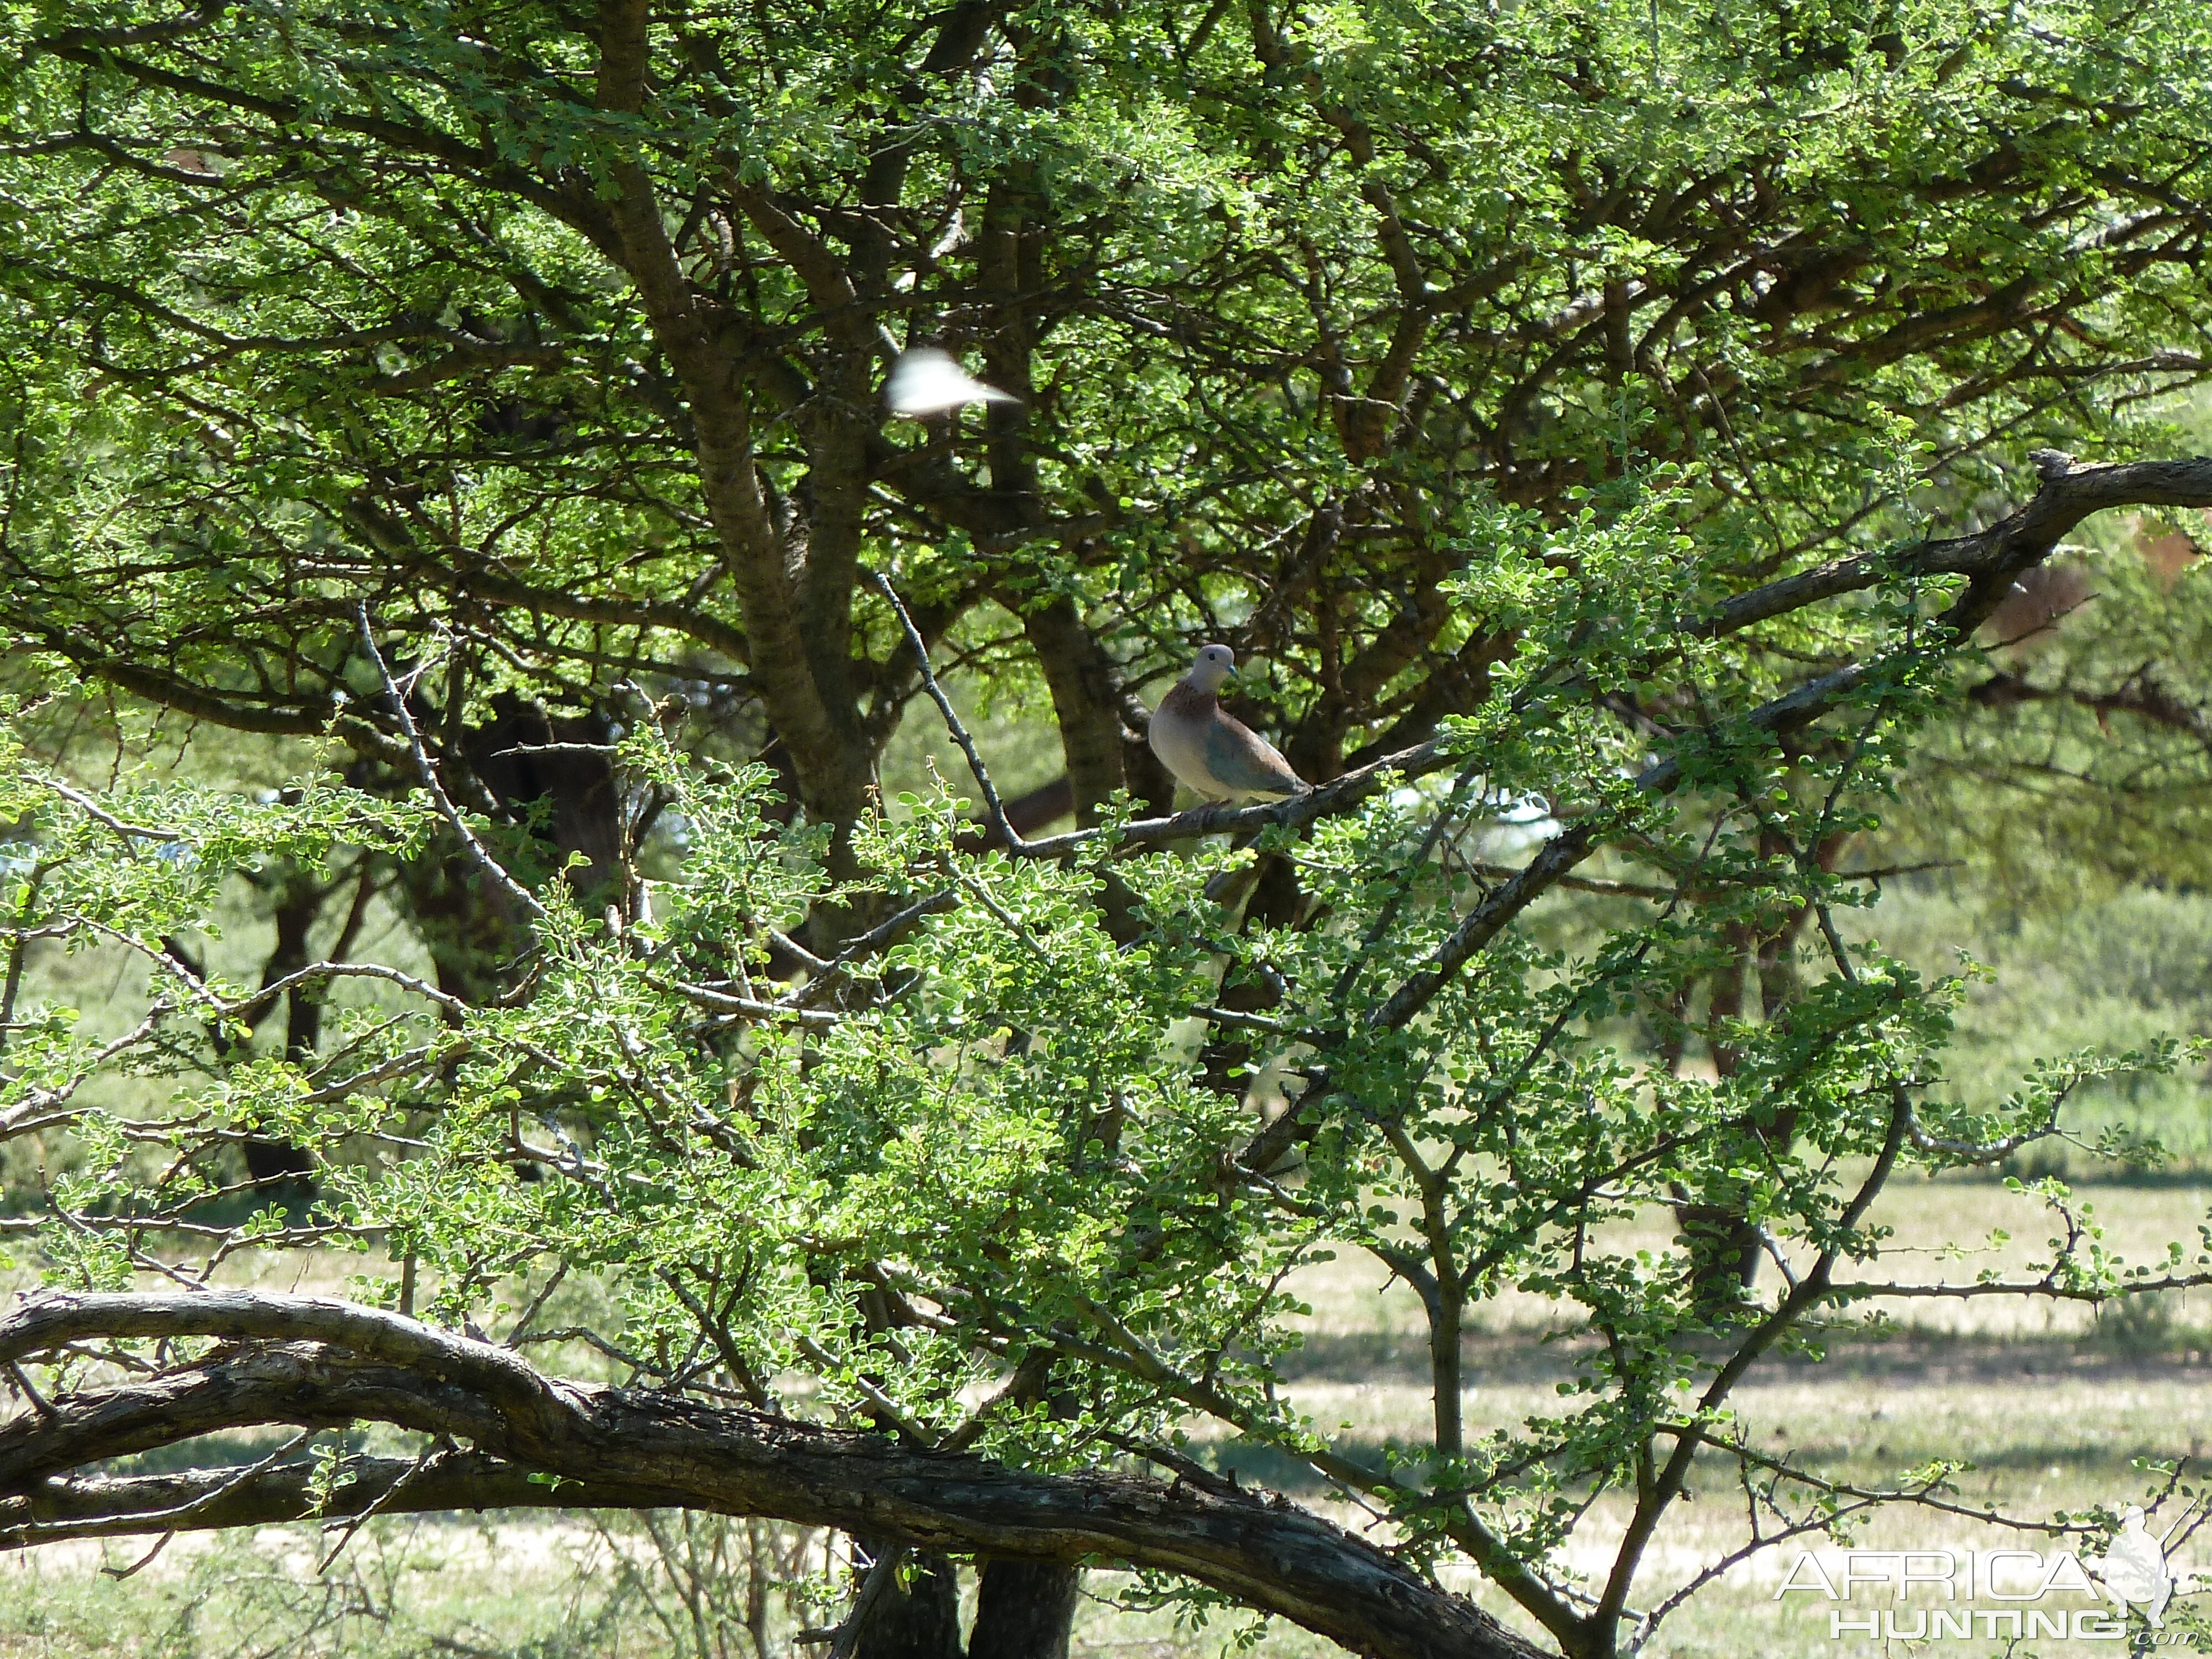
<point x="1216" y="754"/>
<point x="1246" y="763"/>
<point x="927" y="381"/>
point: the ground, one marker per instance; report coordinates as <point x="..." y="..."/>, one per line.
<point x="2052" y="1408"/>
<point x="2052" y="1405"/>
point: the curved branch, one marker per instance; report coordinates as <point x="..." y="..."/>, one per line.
<point x="1991" y="557"/>
<point x="2069" y="493"/>
<point x="310" y="1362"/>
<point x="218" y="1500"/>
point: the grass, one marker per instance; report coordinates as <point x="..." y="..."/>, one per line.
<point x="2115" y="975"/>
<point x="2052" y="1409"/>
<point x="2053" y="1406"/>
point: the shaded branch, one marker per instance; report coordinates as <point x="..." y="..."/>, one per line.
<point x="318" y="1364"/>
<point x="2069" y="493"/>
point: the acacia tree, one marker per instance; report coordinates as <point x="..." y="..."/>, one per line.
<point x="482" y="389"/>
<point x="953" y="1180"/>
<point x="562" y="332"/>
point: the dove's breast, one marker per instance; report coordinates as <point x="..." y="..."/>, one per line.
<point x="1178" y="737"/>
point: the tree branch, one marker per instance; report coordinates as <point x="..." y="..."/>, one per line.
<point x="312" y="1362"/>
<point x="2069" y="493"/>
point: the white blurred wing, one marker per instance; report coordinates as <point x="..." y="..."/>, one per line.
<point x="927" y="381"/>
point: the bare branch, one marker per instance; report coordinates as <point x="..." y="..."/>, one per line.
<point x="523" y="897"/>
<point x="992" y="804"/>
<point x="312" y="1362"/>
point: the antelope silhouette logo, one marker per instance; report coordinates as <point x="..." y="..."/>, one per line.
<point x="2134" y="1569"/>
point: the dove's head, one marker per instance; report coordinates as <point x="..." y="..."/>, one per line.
<point x="2131" y="1519"/>
<point x="1215" y="663"/>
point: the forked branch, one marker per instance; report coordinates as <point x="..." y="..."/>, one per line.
<point x="316" y="1363"/>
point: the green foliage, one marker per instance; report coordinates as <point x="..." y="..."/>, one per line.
<point x="979" y="1185"/>
<point x="473" y="394"/>
<point x="342" y="310"/>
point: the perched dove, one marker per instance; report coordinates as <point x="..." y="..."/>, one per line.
<point x="1216" y="754"/>
<point x="926" y="381"/>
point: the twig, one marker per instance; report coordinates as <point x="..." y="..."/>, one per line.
<point x="477" y="850"/>
<point x="1600" y="885"/>
<point x="537" y="1302"/>
<point x="991" y="802"/>
<point x="881" y="1402"/>
<point x="92" y="809"/>
<point x="724" y="1003"/>
<point x="43" y="1532"/>
<point x="845" y="1639"/>
<point x="143" y="1562"/>
<point x="429" y="1458"/>
<point x="943" y="899"/>
<point x="40" y="1403"/>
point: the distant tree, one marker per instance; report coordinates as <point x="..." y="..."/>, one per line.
<point x="2082" y="758"/>
<point x="1551" y="400"/>
<point x="955" y="1179"/>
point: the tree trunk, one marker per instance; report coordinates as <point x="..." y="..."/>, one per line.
<point x="918" y="1618"/>
<point x="471" y="928"/>
<point x="1086" y="697"/>
<point x="277" y="1165"/>
<point x="1024" y="1610"/>
<point x="309" y="1363"/>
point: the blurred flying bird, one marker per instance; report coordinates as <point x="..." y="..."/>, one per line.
<point x="1217" y="754"/>
<point x="926" y="381"/>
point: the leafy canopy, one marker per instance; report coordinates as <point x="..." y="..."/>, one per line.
<point x="1567" y="405"/>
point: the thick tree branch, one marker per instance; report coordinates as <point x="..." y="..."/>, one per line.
<point x="111" y="1506"/>
<point x="316" y="1363"/>
<point x="1992" y="558"/>
<point x="2069" y="493"/>
<point x="818" y="723"/>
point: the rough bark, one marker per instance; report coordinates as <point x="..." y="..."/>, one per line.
<point x="298" y="907"/>
<point x="1993" y="557"/>
<point x="526" y="757"/>
<point x="919" y="1618"/>
<point x="311" y="1362"/>
<point x="821" y="729"/>
<point x="1023" y="1610"/>
<point x="1086" y="696"/>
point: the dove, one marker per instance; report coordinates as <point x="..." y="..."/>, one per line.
<point x="1216" y="754"/>
<point x="926" y="381"/>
